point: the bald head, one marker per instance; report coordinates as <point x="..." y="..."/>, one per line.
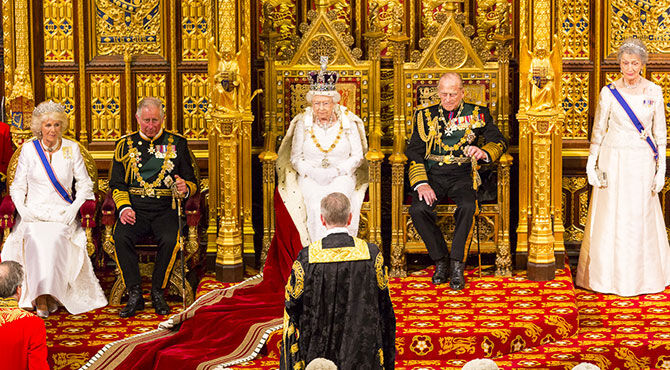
<point x="450" y="90"/>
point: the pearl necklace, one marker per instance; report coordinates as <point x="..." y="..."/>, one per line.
<point x="633" y="85"/>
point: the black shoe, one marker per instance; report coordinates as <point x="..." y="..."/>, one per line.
<point x="135" y="302"/>
<point x="441" y="275"/>
<point x="159" y="303"/>
<point x="457" y="275"/>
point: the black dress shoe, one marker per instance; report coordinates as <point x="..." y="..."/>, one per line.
<point x="441" y="275"/>
<point x="457" y="275"/>
<point x="135" y="302"/>
<point x="159" y="303"/>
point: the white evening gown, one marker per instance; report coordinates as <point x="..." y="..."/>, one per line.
<point x="625" y="249"/>
<point x="347" y="156"/>
<point x="53" y="254"/>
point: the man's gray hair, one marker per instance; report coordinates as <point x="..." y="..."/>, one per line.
<point x="48" y="110"/>
<point x="453" y="76"/>
<point x="150" y="101"/>
<point x="633" y="46"/>
<point x="11" y="278"/>
<point x="335" y="209"/>
<point x="321" y="364"/>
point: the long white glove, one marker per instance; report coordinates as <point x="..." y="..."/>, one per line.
<point x="659" y="178"/>
<point x="25" y="213"/>
<point x="591" y="173"/>
<point x="70" y="213"/>
<point x="323" y="176"/>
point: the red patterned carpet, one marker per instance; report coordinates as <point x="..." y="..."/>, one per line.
<point x="516" y="322"/>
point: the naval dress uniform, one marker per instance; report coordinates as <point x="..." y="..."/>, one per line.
<point x="143" y="172"/>
<point x="435" y="156"/>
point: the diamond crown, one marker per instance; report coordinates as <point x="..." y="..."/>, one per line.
<point x="323" y="80"/>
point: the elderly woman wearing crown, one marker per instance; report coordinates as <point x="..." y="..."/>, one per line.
<point x="47" y="239"/>
<point x="323" y="152"/>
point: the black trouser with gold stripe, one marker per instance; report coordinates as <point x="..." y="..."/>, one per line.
<point x="455" y="182"/>
<point x="162" y="224"/>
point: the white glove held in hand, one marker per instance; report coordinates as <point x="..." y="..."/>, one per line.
<point x="70" y="213"/>
<point x="659" y="178"/>
<point x="591" y="173"/>
<point x="323" y="176"/>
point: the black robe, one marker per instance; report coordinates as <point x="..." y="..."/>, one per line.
<point x="338" y="307"/>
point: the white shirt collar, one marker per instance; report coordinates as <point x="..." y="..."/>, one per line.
<point x="336" y="230"/>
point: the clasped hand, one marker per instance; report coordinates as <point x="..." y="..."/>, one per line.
<point x="323" y="176"/>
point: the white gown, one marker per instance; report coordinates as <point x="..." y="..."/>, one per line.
<point x="347" y="156"/>
<point x="625" y="249"/>
<point x="53" y="254"/>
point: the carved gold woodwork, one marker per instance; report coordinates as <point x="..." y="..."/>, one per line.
<point x="450" y="49"/>
<point x="494" y="17"/>
<point x="61" y="89"/>
<point x="385" y="16"/>
<point x="662" y="79"/>
<point x="105" y="107"/>
<point x="540" y="231"/>
<point x="121" y="25"/>
<point x="576" y="29"/>
<point x="20" y="101"/>
<point x="58" y="21"/>
<point x="8" y="45"/>
<point x="280" y="18"/>
<point x="195" y="99"/>
<point x="575" y="187"/>
<point x="576" y="105"/>
<point x="649" y="21"/>
<point x="150" y="85"/>
<point x="611" y="77"/>
<point x="196" y="23"/>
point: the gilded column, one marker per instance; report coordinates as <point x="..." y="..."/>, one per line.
<point x="268" y="156"/>
<point x="21" y="100"/>
<point x="374" y="154"/>
<point x="398" y="158"/>
<point x="540" y="118"/>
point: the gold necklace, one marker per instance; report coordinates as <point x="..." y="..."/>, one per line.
<point x="324" y="162"/>
<point x="166" y="167"/>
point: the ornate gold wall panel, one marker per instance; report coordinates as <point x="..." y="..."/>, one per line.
<point x="575" y="207"/>
<point x="662" y="79"/>
<point x="611" y="77"/>
<point x="196" y="25"/>
<point x="151" y="84"/>
<point x="227" y="23"/>
<point x="576" y="105"/>
<point x="105" y="107"/>
<point x="386" y="16"/>
<point x="281" y="16"/>
<point x="576" y="29"/>
<point x="493" y="17"/>
<point x="58" y="21"/>
<point x="194" y="103"/>
<point x="648" y="20"/>
<point x="122" y="25"/>
<point x="61" y="89"/>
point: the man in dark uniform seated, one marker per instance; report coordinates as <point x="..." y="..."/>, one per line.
<point x="338" y="305"/>
<point x="440" y="154"/>
<point x="149" y="166"/>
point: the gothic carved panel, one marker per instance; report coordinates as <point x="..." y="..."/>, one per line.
<point x="576" y="104"/>
<point x="196" y="25"/>
<point x="61" y="89"/>
<point x="663" y="80"/>
<point x="105" y="107"/>
<point x="647" y="20"/>
<point x="575" y="28"/>
<point x="151" y="84"/>
<point x="128" y="25"/>
<point x="281" y="16"/>
<point x="57" y="18"/>
<point x="575" y="207"/>
<point x="194" y="103"/>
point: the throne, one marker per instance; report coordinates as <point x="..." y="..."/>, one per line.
<point x="286" y="84"/>
<point x="87" y="210"/>
<point x="146" y="247"/>
<point x="452" y="51"/>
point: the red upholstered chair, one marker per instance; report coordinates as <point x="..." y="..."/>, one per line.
<point x="87" y="210"/>
<point x="146" y="247"/>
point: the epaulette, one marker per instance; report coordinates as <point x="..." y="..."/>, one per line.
<point x="424" y="105"/>
<point x="126" y="135"/>
<point x="176" y="134"/>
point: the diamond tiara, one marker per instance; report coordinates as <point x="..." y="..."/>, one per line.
<point x="48" y="107"/>
<point x="323" y="80"/>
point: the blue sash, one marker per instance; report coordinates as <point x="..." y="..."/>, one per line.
<point x="633" y="118"/>
<point x="50" y="172"/>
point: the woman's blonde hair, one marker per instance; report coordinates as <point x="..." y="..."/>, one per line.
<point x="48" y="110"/>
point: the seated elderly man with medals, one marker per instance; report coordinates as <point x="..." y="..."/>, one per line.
<point x="322" y="152"/>
<point x="149" y="166"/>
<point x="443" y="157"/>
